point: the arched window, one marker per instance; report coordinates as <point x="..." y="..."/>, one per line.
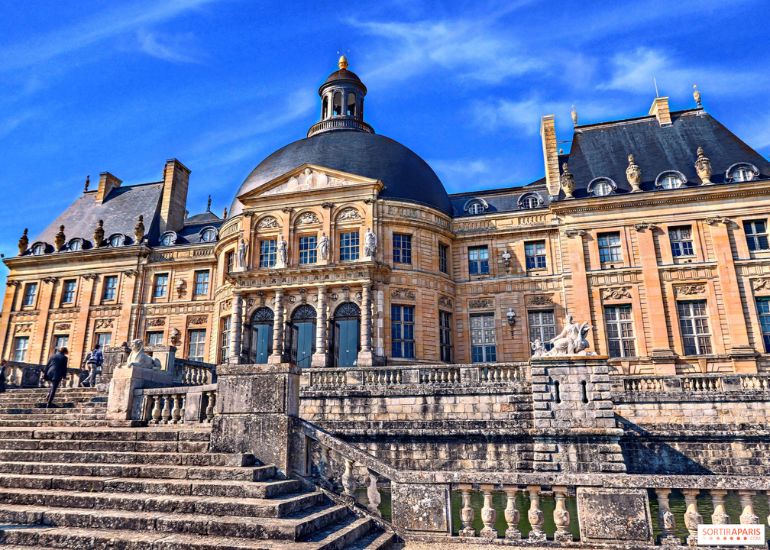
<point x="474" y="207"/>
<point x="208" y="235"/>
<point x="337" y="104"/>
<point x="325" y="107"/>
<point x="117" y="240"/>
<point x="601" y="187"/>
<point x="741" y="171"/>
<point x="75" y="245"/>
<point x="671" y="179"/>
<point x="351" y="107"/>
<point x="168" y="238"/>
<point x="530" y="200"/>
<point x="38" y="249"/>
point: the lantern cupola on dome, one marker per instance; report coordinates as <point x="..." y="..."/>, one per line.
<point x="342" y="102"/>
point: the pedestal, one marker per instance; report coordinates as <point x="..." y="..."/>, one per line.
<point x="120" y="400"/>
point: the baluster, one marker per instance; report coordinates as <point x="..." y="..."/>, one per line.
<point x="467" y="514"/>
<point x="561" y="516"/>
<point x="666" y="519"/>
<point x="156" y="411"/>
<point x="324" y="463"/>
<point x="166" y="412"/>
<point x="719" y="517"/>
<point x="212" y="400"/>
<point x="373" y="494"/>
<point x="691" y="517"/>
<point x="488" y="513"/>
<point x="348" y="480"/>
<point x="511" y="514"/>
<point x="748" y="517"/>
<point x="182" y="407"/>
<point x="535" y="514"/>
<point x="175" y="409"/>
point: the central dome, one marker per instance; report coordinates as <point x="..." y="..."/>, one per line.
<point x="404" y="174"/>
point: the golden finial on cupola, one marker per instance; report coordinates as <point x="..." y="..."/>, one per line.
<point x="343" y="62"/>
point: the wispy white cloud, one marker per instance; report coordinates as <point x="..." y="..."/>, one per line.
<point x="9" y="124"/>
<point x="98" y="28"/>
<point x="176" y="48"/>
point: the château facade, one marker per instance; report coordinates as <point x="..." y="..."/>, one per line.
<point x="344" y="249"/>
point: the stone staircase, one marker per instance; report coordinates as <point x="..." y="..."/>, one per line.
<point x="67" y="480"/>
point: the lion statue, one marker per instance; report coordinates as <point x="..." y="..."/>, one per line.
<point x="138" y="358"/>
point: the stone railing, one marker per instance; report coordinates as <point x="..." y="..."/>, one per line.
<point x="417" y="375"/>
<point x="180" y="405"/>
<point x="692" y="383"/>
<point x="195" y="373"/>
<point x="28" y="375"/>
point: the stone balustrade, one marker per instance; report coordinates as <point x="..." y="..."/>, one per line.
<point x="179" y="405"/>
<point x="30" y="375"/>
<point x="691" y="383"/>
<point x="195" y="373"/>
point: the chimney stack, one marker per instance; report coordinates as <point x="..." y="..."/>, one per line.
<point x="174" y="201"/>
<point x="550" y="154"/>
<point x="107" y="182"/>
<point x="661" y="111"/>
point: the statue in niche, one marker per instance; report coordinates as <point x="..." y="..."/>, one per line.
<point x="243" y="249"/>
<point x="370" y="243"/>
<point x="282" y="250"/>
<point x="323" y="247"/>
<point x="571" y="340"/>
<point x="138" y="358"/>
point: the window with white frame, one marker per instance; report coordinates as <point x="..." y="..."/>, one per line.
<point x="154" y="338"/>
<point x="267" y="253"/>
<point x="60" y="341"/>
<point x="601" y="187"/>
<point x="402" y="248"/>
<point x="620" y="331"/>
<point x="30" y="293"/>
<point x="534" y="253"/>
<point x="681" y="241"/>
<point x="20" y="346"/>
<point x="445" y="335"/>
<point x="742" y="171"/>
<point x="209" y="235"/>
<point x="308" y="249"/>
<point x="402" y="331"/>
<point x="763" y="310"/>
<point x="478" y="260"/>
<point x="542" y="326"/>
<point x="610" y="249"/>
<point x="201" y="286"/>
<point x="476" y="207"/>
<point x="529" y="201"/>
<point x="483" y="338"/>
<point x="110" y="290"/>
<point x="349" y="246"/>
<point x="160" y="288"/>
<point x="756" y="235"/>
<point x="68" y="291"/>
<point x="670" y="180"/>
<point x="443" y="258"/>
<point x="694" y="324"/>
<point x="103" y="339"/>
<point x="196" y="344"/>
<point x="224" y="338"/>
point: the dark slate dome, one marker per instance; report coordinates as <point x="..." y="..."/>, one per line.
<point x="404" y="174"/>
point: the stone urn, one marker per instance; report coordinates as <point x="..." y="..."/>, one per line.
<point x="567" y="182"/>
<point x="634" y="175"/>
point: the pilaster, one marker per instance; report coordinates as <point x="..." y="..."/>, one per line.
<point x="277" y="355"/>
<point x="365" y="356"/>
<point x="320" y="355"/>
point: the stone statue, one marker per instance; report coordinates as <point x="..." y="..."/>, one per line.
<point x="571" y="340"/>
<point x="23" y="242"/>
<point x="567" y="181"/>
<point x="370" y="243"/>
<point x="283" y="252"/>
<point x="703" y="167"/>
<point x="99" y="234"/>
<point x="139" y="229"/>
<point x="138" y="358"/>
<point x="323" y="247"/>
<point x="538" y="350"/>
<point x="243" y="249"/>
<point x="506" y="256"/>
<point x="634" y="175"/>
<point x="60" y="239"/>
<point x="174" y="337"/>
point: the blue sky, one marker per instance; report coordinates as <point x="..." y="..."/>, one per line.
<point x="92" y="86"/>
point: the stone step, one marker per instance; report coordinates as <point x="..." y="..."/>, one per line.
<point x="54" y="423"/>
<point x="376" y="540"/>
<point x="54" y="411"/>
<point x="65" y="414"/>
<point x="194" y="487"/>
<point x="343" y="535"/>
<point x="195" y="432"/>
<point x="34" y="401"/>
<point x="99" y="445"/>
<point x="221" y="473"/>
<point x="294" y="528"/>
<point x="280" y="506"/>
<point x="172" y="459"/>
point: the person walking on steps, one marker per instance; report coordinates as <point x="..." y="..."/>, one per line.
<point x="55" y="371"/>
<point x="94" y="361"/>
<point x="3" y="364"/>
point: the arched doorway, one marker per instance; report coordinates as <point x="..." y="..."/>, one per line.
<point x="346" y="334"/>
<point x="261" y="335"/>
<point x="302" y="331"/>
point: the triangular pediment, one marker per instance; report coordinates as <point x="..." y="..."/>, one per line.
<point x="307" y="178"/>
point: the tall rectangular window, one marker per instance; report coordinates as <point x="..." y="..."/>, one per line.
<point x="224" y="338"/>
<point x="534" y="253"/>
<point x="542" y="326"/>
<point x="756" y="234"/>
<point x="308" y="249"/>
<point x="349" y="246"/>
<point x="196" y="344"/>
<point x="763" y="309"/>
<point x="402" y="248"/>
<point x="68" y="292"/>
<point x="30" y="292"/>
<point x="681" y="241"/>
<point x="110" y="290"/>
<point x="60" y="341"/>
<point x="620" y="331"/>
<point x="443" y="258"/>
<point x="154" y="338"/>
<point x="609" y="248"/>
<point x="201" y="283"/>
<point x="160" y="288"/>
<point x="483" y="338"/>
<point x="478" y="260"/>
<point x="694" y="324"/>
<point x="20" y="345"/>
<point x="103" y="339"/>
<point x="445" y="335"/>
<point x="267" y="253"/>
<point x="229" y="261"/>
<point x="402" y="331"/>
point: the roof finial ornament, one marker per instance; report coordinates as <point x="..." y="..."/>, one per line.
<point x="23" y="242"/>
<point x="634" y="175"/>
<point x="208" y="205"/>
<point x="139" y="229"/>
<point x="567" y="181"/>
<point x="224" y="214"/>
<point x="696" y="96"/>
<point x="574" y="115"/>
<point x="343" y="62"/>
<point x="88" y="182"/>
<point x="703" y="167"/>
<point x="60" y="239"/>
<point x="99" y="234"/>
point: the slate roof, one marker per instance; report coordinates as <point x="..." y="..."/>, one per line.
<point x="601" y="150"/>
<point x="120" y="211"/>
<point x="499" y="200"/>
<point x="191" y="231"/>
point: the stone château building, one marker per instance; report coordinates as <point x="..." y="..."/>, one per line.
<point x="344" y="249"/>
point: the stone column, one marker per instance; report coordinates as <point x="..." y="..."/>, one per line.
<point x="319" y="357"/>
<point x="365" y="356"/>
<point x="235" y="330"/>
<point x="277" y="354"/>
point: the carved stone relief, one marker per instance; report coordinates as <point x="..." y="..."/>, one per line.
<point x="348" y="214"/>
<point x="540" y="300"/>
<point x="760" y="285"/>
<point x="158" y="322"/>
<point x="197" y="320"/>
<point x="104" y="323"/>
<point x="403" y="294"/>
<point x="268" y="222"/>
<point x="690" y="290"/>
<point x="307" y="218"/>
<point x="445" y="301"/>
<point x="481" y="303"/>
<point x="617" y="293"/>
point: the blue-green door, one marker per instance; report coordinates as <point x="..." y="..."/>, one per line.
<point x="262" y="342"/>
<point x="302" y="339"/>
<point x="346" y="332"/>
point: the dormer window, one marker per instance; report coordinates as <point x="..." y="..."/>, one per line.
<point x="208" y="235"/>
<point x="601" y="187"/>
<point x="530" y="200"/>
<point x="168" y="238"/>
<point x="670" y="179"/>
<point x="75" y="245"/>
<point x="475" y="207"/>
<point x="117" y="240"/>
<point x="741" y="171"/>
<point x="38" y="249"/>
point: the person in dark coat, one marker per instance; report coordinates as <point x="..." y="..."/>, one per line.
<point x="55" y="371"/>
<point x="3" y="363"/>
